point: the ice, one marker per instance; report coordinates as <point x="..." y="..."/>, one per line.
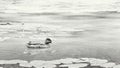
<point x="48" y="66"/>
<point x="97" y="62"/>
<point x="108" y="65"/>
<point x="75" y="65"/>
<point x="68" y="60"/>
<point x="85" y="59"/>
<point x="116" y="66"/>
<point x="10" y="62"/>
<point x="65" y="61"/>
<point x="37" y="63"/>
<point x="3" y="61"/>
<point x="92" y="60"/>
<point x="53" y="62"/>
<point x="7" y="62"/>
<point x="25" y="64"/>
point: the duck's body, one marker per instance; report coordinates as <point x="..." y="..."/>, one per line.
<point x="38" y="46"/>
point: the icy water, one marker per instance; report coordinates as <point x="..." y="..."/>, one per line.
<point x="75" y="32"/>
<point x="92" y="35"/>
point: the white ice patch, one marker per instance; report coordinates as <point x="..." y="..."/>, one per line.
<point x="8" y="62"/>
<point x="3" y="61"/>
<point x="65" y="63"/>
<point x="47" y="66"/>
<point x="53" y="62"/>
<point x="116" y="66"/>
<point x="37" y="63"/>
<point x="74" y="65"/>
<point x="97" y="62"/>
<point x="25" y="64"/>
<point x="108" y="65"/>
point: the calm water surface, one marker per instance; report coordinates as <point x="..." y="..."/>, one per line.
<point x="94" y="35"/>
<point x="83" y="28"/>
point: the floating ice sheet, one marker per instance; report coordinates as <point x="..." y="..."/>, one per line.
<point x="74" y="65"/>
<point x="108" y="65"/>
<point x="116" y="66"/>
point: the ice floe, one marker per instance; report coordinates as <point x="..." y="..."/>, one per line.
<point x="47" y="66"/>
<point x="108" y="65"/>
<point x="25" y="64"/>
<point x="75" y="65"/>
<point x="37" y="63"/>
<point x="94" y="60"/>
<point x="53" y="62"/>
<point x="68" y="60"/>
<point x="3" y="61"/>
<point x="97" y="62"/>
<point x="85" y="59"/>
<point x="64" y="63"/>
<point x="116" y="66"/>
<point x="8" y="62"/>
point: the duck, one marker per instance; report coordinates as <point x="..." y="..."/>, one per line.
<point x="46" y="44"/>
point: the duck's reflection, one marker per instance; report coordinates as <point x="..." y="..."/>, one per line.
<point x="38" y="51"/>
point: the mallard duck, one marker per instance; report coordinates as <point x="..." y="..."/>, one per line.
<point x="40" y="45"/>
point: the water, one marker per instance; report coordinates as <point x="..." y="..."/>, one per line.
<point x="30" y="6"/>
<point x="75" y="32"/>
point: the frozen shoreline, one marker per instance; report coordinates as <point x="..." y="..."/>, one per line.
<point x="61" y="63"/>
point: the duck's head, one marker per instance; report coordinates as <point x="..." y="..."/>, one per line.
<point x="48" y="41"/>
